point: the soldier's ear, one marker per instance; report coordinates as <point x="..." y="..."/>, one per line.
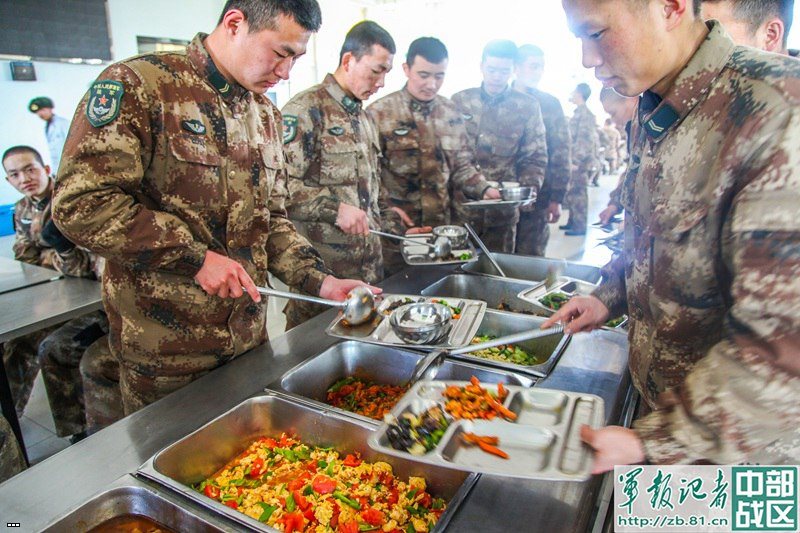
<point x="773" y="35"/>
<point x="406" y="69"/>
<point x="234" y="21"/>
<point x="347" y="59"/>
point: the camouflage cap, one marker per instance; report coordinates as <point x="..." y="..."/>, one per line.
<point x="38" y="103"/>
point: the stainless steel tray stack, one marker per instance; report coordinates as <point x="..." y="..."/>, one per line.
<point x="417" y="254"/>
<point x="380" y="364"/>
<point x="379" y="331"/>
<point x="542" y="443"/>
<point x="529" y="268"/>
<point x="205" y="451"/>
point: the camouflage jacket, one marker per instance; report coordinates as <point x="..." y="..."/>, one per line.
<point x="712" y="253"/>
<point x="29" y="218"/>
<point x="425" y="148"/>
<point x="166" y="160"/>
<point x="612" y="141"/>
<point x="332" y="150"/>
<point x="585" y="141"/>
<point x="508" y="139"/>
<point x="559" y="158"/>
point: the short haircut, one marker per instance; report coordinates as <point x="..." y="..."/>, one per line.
<point x="501" y="48"/>
<point x="431" y="48"/>
<point x="362" y="37"/>
<point x="754" y="13"/>
<point x="584" y="90"/>
<point x="21" y="149"/>
<point x="527" y="51"/>
<point x="695" y="5"/>
<point x="263" y="14"/>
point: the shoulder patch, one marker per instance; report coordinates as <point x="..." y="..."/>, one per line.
<point x="105" y="101"/>
<point x="336" y="130"/>
<point x="289" y="128"/>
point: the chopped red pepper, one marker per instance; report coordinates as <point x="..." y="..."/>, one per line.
<point x="349" y="527"/>
<point x="372" y="517"/>
<point x="256" y="468"/>
<point x="323" y="485"/>
<point x="268" y="442"/>
<point x="300" y="500"/>
<point x="351" y="460"/>
<point x="293" y="522"/>
<point x="232" y="504"/>
<point x="211" y="491"/>
<point x="425" y="500"/>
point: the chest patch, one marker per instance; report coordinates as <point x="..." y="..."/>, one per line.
<point x="289" y="128"/>
<point x="194" y="126"/>
<point x="401" y="132"/>
<point x="336" y="130"/>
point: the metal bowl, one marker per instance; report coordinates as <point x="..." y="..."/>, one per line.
<point x="516" y="193"/>
<point x="456" y="234"/>
<point x="421" y="323"/>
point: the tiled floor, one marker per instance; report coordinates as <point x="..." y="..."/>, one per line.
<point x="37" y="423"/>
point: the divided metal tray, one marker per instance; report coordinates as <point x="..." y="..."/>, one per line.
<point x="568" y="286"/>
<point x="498" y="293"/>
<point x="543" y="443"/>
<point x="381" y="364"/>
<point x="530" y="268"/>
<point x="379" y="331"/>
<point x="206" y="450"/>
<point x="418" y="255"/>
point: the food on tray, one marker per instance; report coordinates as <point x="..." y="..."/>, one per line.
<point x="291" y="487"/>
<point x="455" y="310"/>
<point x="130" y="523"/>
<point x="613" y="323"/>
<point x="486" y="443"/>
<point x="466" y="256"/>
<point x="417" y="434"/>
<point x="364" y="397"/>
<point x="472" y="402"/>
<point x="507" y="353"/>
<point x="394" y="305"/>
<point x="554" y="300"/>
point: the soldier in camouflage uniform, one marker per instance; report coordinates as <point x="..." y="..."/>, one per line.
<point x="762" y="24"/>
<point x="621" y="109"/>
<point x="11" y="459"/>
<point x="425" y="146"/>
<point x="332" y="151"/>
<point x="712" y="239"/>
<point x="56" y="350"/>
<point x="508" y="138"/>
<point x="611" y="145"/>
<point x="585" y="145"/>
<point x="100" y="375"/>
<point x="533" y="231"/>
<point x="173" y="171"/>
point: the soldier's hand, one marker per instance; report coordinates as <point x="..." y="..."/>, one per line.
<point x="407" y="222"/>
<point x="553" y="212"/>
<point x="352" y="220"/>
<point x="580" y="314"/>
<point x="337" y="289"/>
<point x="491" y="194"/>
<point x="613" y="445"/>
<point x="607" y="214"/>
<point x="419" y="229"/>
<point x="225" y="277"/>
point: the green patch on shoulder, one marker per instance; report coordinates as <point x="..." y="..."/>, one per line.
<point x="289" y="128"/>
<point x="105" y="101"/>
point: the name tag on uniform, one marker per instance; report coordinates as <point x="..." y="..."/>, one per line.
<point x="336" y="130"/>
<point x="194" y="126"/>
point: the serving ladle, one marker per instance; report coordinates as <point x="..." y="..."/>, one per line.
<point x="441" y="246"/>
<point x="427" y="367"/>
<point x="357" y="308"/>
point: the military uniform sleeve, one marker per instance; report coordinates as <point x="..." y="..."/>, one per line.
<point x="308" y="200"/>
<point x="531" y="162"/>
<point x="559" y="164"/>
<point x="25" y="249"/>
<point x="612" y="291"/>
<point x="615" y="197"/>
<point x="97" y="203"/>
<point x="76" y="263"/>
<point x="584" y="147"/>
<point x="465" y="176"/>
<point x="743" y="394"/>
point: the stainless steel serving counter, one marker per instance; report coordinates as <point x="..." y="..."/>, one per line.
<point x="595" y="363"/>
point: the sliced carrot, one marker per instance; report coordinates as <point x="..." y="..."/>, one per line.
<point x="494" y="450"/>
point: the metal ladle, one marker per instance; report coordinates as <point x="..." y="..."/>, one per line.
<point x="441" y="246"/>
<point x="427" y="367"/>
<point x="357" y="308"/>
<point x="485" y="249"/>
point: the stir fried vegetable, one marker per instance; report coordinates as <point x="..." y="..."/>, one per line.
<point x="417" y="434"/>
<point x="554" y="300"/>
<point x="307" y="488"/>
<point x="507" y="353"/>
<point x="474" y="402"/>
<point x="364" y="397"/>
<point x="614" y="322"/>
<point x="456" y="311"/>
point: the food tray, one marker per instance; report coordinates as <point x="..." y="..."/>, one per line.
<point x="381" y="364"/>
<point x="379" y="331"/>
<point x="418" y="255"/>
<point x="487" y="204"/>
<point x="543" y="443"/>
<point x="498" y="293"/>
<point x="206" y="450"/>
<point x="530" y="268"/>
<point x="570" y="287"/>
<point x="547" y="350"/>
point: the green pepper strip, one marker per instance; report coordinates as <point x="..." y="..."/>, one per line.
<point x="344" y="499"/>
<point x="268" y="510"/>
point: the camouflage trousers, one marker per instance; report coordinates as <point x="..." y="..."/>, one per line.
<point x="11" y="460"/>
<point x="497" y="227"/>
<point x="138" y="389"/>
<point x="577" y="200"/>
<point x="60" y="355"/>
<point x="100" y="375"/>
<point x="22" y="364"/>
<point x="533" y="231"/>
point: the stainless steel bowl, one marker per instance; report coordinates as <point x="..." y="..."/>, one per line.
<point x="421" y="323"/>
<point x="456" y="234"/>
<point x="516" y="193"/>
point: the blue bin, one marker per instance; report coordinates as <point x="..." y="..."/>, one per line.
<point x="6" y="220"/>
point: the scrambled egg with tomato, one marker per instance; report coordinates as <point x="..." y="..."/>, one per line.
<point x="294" y="487"/>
